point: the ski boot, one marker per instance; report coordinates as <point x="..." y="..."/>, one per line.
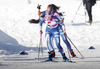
<point x="65" y="59"/>
<point x="72" y="53"/>
<point x="51" y="55"/>
<point x="89" y="21"/>
<point x="49" y="59"/>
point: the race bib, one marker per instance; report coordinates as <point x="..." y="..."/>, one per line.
<point x="51" y="23"/>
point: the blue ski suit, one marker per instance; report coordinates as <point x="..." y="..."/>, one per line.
<point x="52" y="30"/>
<point x="56" y="14"/>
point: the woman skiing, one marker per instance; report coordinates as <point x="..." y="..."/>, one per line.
<point x="52" y="30"/>
<point x="53" y="10"/>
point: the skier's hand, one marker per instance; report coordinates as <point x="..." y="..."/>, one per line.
<point x="39" y="6"/>
<point x="65" y="34"/>
<point x="41" y="32"/>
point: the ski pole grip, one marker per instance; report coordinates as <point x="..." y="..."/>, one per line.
<point x="65" y="34"/>
<point x="41" y="32"/>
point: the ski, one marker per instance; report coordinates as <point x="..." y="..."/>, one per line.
<point x="77" y="57"/>
<point x="50" y="61"/>
<point x="58" y="61"/>
<point x="72" y="61"/>
<point x="43" y="60"/>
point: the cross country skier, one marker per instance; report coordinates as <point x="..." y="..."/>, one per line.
<point x="53" y="9"/>
<point x="52" y="30"/>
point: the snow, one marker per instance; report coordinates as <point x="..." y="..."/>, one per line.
<point x="17" y="34"/>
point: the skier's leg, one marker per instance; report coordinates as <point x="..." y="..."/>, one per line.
<point x="52" y="45"/>
<point x="51" y="52"/>
<point x="67" y="43"/>
<point x="57" y="40"/>
<point x="48" y="41"/>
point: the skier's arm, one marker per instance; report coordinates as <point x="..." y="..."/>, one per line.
<point x="39" y="13"/>
<point x="61" y="21"/>
<point x="39" y="7"/>
<point x="58" y="16"/>
<point x="63" y="26"/>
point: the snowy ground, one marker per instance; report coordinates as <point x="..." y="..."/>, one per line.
<point x="16" y="35"/>
<point x="31" y="62"/>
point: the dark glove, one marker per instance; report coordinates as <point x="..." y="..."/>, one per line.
<point x="39" y="6"/>
<point x="65" y="34"/>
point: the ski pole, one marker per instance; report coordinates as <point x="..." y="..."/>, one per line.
<point x="40" y="44"/>
<point x="76" y="12"/>
<point x="75" y="47"/>
<point x="40" y="47"/>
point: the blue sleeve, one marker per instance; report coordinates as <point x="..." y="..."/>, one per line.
<point x="61" y="23"/>
<point x="42" y="21"/>
<point x="43" y="13"/>
<point x="57" y="15"/>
